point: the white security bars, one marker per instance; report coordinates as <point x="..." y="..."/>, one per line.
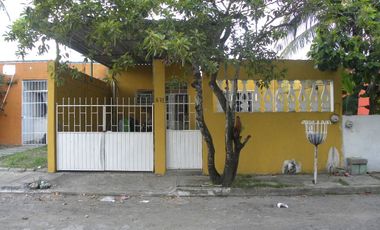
<point x="180" y="112"/>
<point x="98" y="115"/>
<point x="283" y="96"/>
<point x="34" y="112"/>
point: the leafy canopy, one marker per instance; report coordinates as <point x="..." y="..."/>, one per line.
<point x="348" y="35"/>
<point x="204" y="33"/>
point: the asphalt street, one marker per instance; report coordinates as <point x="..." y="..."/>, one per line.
<point x="55" y="211"/>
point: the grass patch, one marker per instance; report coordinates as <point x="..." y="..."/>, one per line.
<point x="31" y="158"/>
<point x="343" y="182"/>
<point x="248" y="181"/>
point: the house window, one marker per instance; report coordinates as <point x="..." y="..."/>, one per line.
<point x="144" y="97"/>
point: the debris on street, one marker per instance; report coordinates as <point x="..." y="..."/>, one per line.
<point x="282" y="205"/>
<point x="123" y="198"/>
<point x="108" y="199"/>
<point x="39" y="184"/>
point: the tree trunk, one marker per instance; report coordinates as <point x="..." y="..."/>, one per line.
<point x="197" y="84"/>
<point x="233" y="143"/>
<point x="230" y="162"/>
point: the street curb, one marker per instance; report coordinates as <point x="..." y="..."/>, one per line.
<point x="212" y="192"/>
<point x="25" y="190"/>
<point x="23" y="169"/>
<point x="299" y="191"/>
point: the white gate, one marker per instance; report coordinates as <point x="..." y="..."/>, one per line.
<point x="183" y="139"/>
<point x="105" y="137"/>
<point x="34" y="112"/>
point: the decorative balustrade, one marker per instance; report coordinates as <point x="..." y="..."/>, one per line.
<point x="283" y="96"/>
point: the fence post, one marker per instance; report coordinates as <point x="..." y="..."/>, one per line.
<point x="104" y="118"/>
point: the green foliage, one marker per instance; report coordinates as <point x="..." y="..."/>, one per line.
<point x="348" y="85"/>
<point x="121" y="64"/>
<point x="32" y="158"/>
<point x="201" y="33"/>
<point x="248" y="181"/>
<point x="348" y="36"/>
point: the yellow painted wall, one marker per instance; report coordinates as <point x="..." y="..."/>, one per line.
<point x="276" y="136"/>
<point x="82" y="87"/>
<point x="140" y="77"/>
<point x="135" y="78"/>
<point x="99" y="71"/>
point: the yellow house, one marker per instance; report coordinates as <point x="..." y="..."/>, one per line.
<point x="145" y="120"/>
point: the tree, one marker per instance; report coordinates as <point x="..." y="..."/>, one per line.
<point x="205" y="35"/>
<point x="348" y="36"/>
<point x="307" y="23"/>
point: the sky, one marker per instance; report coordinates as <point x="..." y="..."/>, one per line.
<point x="8" y="49"/>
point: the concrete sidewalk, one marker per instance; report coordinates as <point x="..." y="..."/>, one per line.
<point x="181" y="184"/>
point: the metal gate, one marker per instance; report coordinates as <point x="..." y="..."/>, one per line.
<point x="34" y="112"/>
<point x="109" y="136"/>
<point x="183" y="139"/>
